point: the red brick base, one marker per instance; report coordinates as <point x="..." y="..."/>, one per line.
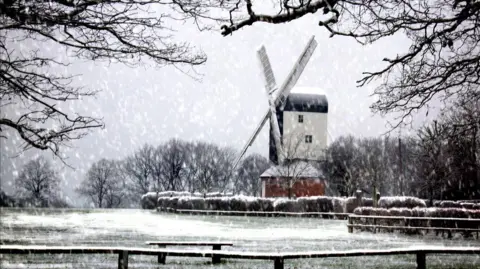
<point x="278" y="187"/>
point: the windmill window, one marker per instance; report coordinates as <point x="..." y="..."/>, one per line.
<point x="308" y="139"/>
<point x="300" y="118"/>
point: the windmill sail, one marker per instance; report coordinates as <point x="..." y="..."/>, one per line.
<point x="252" y="138"/>
<point x="282" y="95"/>
<point x="295" y="73"/>
<point x="268" y="76"/>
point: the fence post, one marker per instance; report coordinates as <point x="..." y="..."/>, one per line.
<point x="278" y="263"/>
<point x="350" y="223"/>
<point x="421" y="263"/>
<point x="123" y="259"/>
<point x="216" y="258"/>
<point x="162" y="257"/>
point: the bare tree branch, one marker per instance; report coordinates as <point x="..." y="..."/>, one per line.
<point x="443" y="60"/>
<point x="128" y="32"/>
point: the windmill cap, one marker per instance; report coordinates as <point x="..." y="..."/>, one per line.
<point x="309" y="90"/>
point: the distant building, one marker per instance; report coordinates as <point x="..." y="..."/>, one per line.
<point x="306" y="179"/>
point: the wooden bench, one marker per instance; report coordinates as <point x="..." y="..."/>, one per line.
<point x="163" y="244"/>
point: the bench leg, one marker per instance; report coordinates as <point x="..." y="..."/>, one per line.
<point x="161" y="257"/>
<point x="216" y="259"/>
<point x="421" y="263"/>
<point x="123" y="260"/>
<point x="278" y="263"/>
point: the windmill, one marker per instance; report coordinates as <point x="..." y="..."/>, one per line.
<point x="280" y="100"/>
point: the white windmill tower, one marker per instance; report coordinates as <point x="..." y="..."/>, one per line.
<point x="293" y="110"/>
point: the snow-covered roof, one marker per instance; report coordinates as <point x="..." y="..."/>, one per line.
<point x="296" y="169"/>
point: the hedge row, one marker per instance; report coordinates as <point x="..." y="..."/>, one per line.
<point x="456" y="204"/>
<point x="401" y="201"/>
<point x="245" y="203"/>
<point x="148" y="199"/>
<point x="433" y="212"/>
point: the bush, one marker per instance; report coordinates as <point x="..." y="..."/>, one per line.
<point x="286" y="205"/>
<point x="172" y="193"/>
<point x="238" y="203"/>
<point x="351" y="204"/>
<point x="432" y="212"/>
<point x="339" y="205"/>
<point x="316" y="204"/>
<point x="452" y="204"/>
<point x="148" y="200"/>
<point x="194" y="203"/>
<point x="401" y="201"/>
<point x="470" y="206"/>
<point x="266" y="204"/>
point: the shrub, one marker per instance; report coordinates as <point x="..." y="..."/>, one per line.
<point x="194" y="203"/>
<point x="286" y="205"/>
<point x="238" y="203"/>
<point x="470" y="206"/>
<point x="148" y="201"/>
<point x="266" y="204"/>
<point x="339" y="205"/>
<point x="351" y="204"/>
<point x="368" y="202"/>
<point x="172" y="193"/>
<point x="432" y="212"/>
<point x="316" y="204"/>
<point x="401" y="201"/>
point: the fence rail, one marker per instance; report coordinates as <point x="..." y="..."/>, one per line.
<point x="325" y="215"/>
<point x="391" y="223"/>
<point x="277" y="258"/>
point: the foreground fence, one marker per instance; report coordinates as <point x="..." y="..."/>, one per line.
<point x="324" y="215"/>
<point x="466" y="226"/>
<point x="277" y="258"/>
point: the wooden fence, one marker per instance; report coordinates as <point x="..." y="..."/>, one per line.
<point x="324" y="215"/>
<point x="277" y="258"/>
<point x="414" y="224"/>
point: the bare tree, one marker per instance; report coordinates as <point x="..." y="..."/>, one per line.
<point x="442" y="60"/>
<point x="433" y="161"/>
<point x="372" y="163"/>
<point x="138" y="169"/>
<point x="296" y="166"/>
<point x="157" y="169"/>
<point x="38" y="181"/>
<point x="225" y="174"/>
<point x="128" y="32"/>
<point x="103" y="184"/>
<point x="172" y="164"/>
<point x="342" y="165"/>
<point x="249" y="173"/>
<point x="208" y="167"/>
<point x="463" y="135"/>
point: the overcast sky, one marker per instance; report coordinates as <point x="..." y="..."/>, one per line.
<point x="151" y="105"/>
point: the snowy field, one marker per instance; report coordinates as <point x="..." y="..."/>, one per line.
<point x="134" y="227"/>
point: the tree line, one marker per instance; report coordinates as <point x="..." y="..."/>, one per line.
<point x="176" y="165"/>
<point x="441" y="161"/>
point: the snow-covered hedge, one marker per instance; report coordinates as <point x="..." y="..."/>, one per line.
<point x="351" y="203"/>
<point x="457" y="204"/>
<point x="148" y="199"/>
<point x="433" y="212"/>
<point x="246" y="203"/>
<point x="401" y="201"/>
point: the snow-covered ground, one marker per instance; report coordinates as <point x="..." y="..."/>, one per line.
<point x="134" y="227"/>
